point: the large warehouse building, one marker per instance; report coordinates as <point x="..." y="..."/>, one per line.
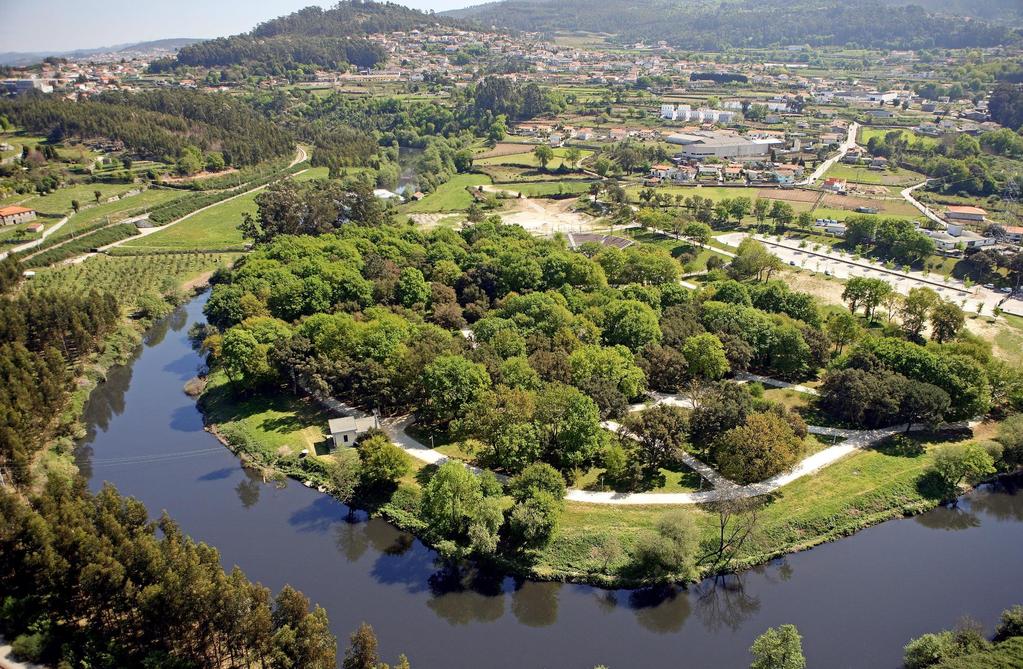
<point x="700" y="146"/>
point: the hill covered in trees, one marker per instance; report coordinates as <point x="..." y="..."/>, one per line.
<point x="162" y="125"/>
<point x="312" y="36"/>
<point x="714" y="24"/>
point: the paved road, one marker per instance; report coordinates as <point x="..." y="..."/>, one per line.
<point x="844" y="266"/>
<point x="35" y="242"/>
<point x="850" y="142"/>
<point x="907" y="194"/>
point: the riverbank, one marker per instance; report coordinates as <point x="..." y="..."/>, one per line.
<point x="595" y="543"/>
<point x="117" y="349"/>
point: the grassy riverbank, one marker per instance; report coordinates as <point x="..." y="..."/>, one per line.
<point x="863" y="489"/>
<point x="131" y="278"/>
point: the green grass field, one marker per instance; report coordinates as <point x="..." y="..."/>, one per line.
<point x="547" y="188"/>
<point x="865" y="134"/>
<point x="450" y="196"/>
<point x="215" y="229"/>
<point x="527" y="159"/>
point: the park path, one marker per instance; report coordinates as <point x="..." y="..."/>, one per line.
<point x="723" y="489"/>
<point x="775" y="383"/>
<point x="300" y="155"/>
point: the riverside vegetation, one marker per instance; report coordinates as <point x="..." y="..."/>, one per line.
<point x="375" y="314"/>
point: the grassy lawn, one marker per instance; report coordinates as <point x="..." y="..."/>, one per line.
<point x="270" y="426"/>
<point x="860" y="490"/>
<point x="449" y="196"/>
<point x="547" y="188"/>
<point x="212" y="230"/>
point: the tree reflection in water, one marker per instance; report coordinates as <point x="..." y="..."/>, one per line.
<point x="723" y="602"/>
<point x="248" y="488"/>
<point x="661" y="609"/>
<point x="535" y="604"/>
<point x="465" y="595"/>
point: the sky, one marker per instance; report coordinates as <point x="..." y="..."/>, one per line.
<point x="64" y="25"/>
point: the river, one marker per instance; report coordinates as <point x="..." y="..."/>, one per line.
<point x="856" y="601"/>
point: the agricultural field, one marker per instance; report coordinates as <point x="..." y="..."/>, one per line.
<point x="81" y="245"/>
<point x="863" y="175"/>
<point x="117" y="210"/>
<point x="130" y="276"/>
<point x="58" y="203"/>
<point x="215" y="229"/>
<point x="528" y="160"/>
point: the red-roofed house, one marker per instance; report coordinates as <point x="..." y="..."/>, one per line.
<point x="1014" y="234"/>
<point x="14" y="214"/>
<point x="835" y="184"/>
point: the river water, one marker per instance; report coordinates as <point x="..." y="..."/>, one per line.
<point x="856" y="601"/>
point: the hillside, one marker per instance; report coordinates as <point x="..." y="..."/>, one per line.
<point x="21" y="58"/>
<point x="312" y="36"/>
<point x="718" y="24"/>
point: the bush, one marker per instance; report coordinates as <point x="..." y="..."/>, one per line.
<point x="29" y="647"/>
<point x="1011" y="624"/>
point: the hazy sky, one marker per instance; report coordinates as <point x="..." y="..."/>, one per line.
<point x="62" y="25"/>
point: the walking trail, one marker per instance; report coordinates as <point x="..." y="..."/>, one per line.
<point x="723" y="489"/>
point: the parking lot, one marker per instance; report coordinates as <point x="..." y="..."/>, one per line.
<point x="844" y="266"/>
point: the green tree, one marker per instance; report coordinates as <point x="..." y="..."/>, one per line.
<point x="763" y="446"/>
<point x="705" y="356"/>
<point x="778" y="648"/>
<point x="917" y="306"/>
<point x="412" y="288"/>
<point x="669" y="551"/>
<point x="450" y="383"/>
<point x="843" y="329"/>
<point x="630" y="323"/>
<point x="544" y="154"/>
<point x="947" y="320"/>
<point x="382" y="461"/>
<point x="955" y="464"/>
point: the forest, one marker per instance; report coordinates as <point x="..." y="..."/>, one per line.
<point x="162" y="124"/>
<point x="317" y="37"/>
<point x="89" y="580"/>
<point x="745" y="23"/>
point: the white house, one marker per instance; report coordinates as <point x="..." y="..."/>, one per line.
<point x="345" y="430"/>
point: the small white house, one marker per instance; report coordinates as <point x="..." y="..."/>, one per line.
<point x="345" y="430"/>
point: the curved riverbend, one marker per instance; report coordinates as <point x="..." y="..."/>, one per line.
<point x="856" y="601"/>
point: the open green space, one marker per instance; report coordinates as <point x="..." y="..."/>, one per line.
<point x="215" y="229"/>
<point x="449" y="196"/>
